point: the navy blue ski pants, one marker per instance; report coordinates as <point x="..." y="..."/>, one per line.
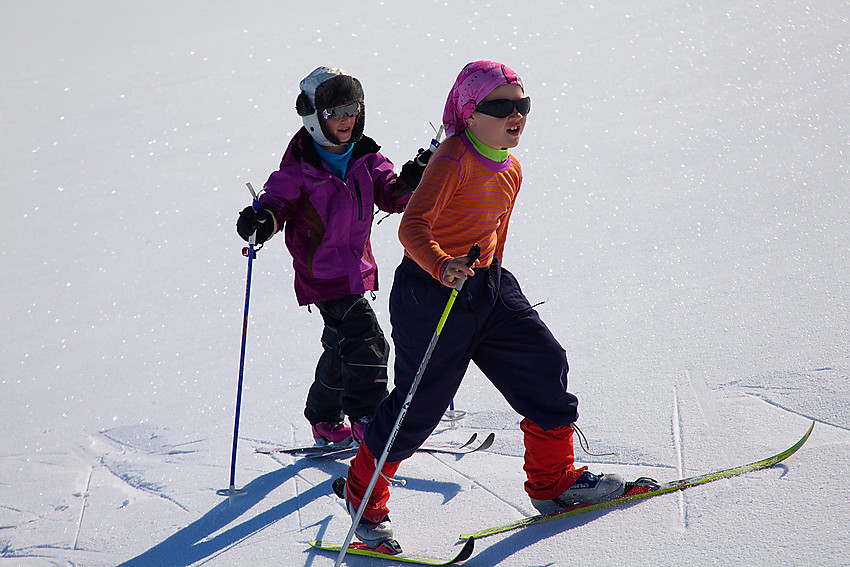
<point x="491" y="324"/>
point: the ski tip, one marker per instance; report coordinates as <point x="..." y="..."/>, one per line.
<point x="338" y="486"/>
<point x="471" y="440"/>
<point x="487" y="443"/>
<point x="466" y="550"/>
<point x="805" y="437"/>
<point x="809" y="432"/>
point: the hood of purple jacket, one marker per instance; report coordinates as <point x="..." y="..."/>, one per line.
<point x="327" y="221"/>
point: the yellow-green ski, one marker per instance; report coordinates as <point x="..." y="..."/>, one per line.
<point x="358" y="548"/>
<point x="634" y="493"/>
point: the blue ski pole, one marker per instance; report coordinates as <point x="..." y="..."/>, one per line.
<point x="452" y="415"/>
<point x="232" y="491"/>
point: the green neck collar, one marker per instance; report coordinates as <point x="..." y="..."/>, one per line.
<point x="485" y="150"/>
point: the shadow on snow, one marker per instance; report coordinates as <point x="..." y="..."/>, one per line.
<point x="194" y="542"/>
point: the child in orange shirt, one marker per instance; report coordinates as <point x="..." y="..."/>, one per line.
<point x="466" y="196"/>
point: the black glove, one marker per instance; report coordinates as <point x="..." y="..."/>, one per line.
<point x="411" y="172"/>
<point x="260" y="221"/>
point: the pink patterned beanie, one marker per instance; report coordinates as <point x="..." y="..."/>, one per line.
<point x="475" y="82"/>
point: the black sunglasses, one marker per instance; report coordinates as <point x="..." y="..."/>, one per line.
<point x="502" y="107"/>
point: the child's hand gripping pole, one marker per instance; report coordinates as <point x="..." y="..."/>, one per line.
<point x="473" y="254"/>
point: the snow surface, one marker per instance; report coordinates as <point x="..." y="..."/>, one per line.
<point x="684" y="218"/>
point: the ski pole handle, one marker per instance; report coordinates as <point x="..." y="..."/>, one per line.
<point x="473" y="255"/>
<point x="253" y="193"/>
<point x="435" y="142"/>
<point x="252" y="240"/>
<point x="255" y="204"/>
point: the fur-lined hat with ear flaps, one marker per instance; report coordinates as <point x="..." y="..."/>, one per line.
<point x="323" y="89"/>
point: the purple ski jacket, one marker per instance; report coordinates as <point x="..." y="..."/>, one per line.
<point x="327" y="220"/>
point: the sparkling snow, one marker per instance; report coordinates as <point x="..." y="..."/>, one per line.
<point x="684" y="219"/>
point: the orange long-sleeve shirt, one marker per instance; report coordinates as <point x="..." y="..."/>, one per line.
<point x="463" y="199"/>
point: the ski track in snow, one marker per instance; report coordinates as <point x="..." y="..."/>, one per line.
<point x="83" y="508"/>
<point x="121" y="470"/>
<point x="443" y="461"/>
<point x="703" y="396"/>
<point x="766" y="398"/>
<point x="679" y="450"/>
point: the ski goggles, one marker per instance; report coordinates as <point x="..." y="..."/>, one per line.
<point x="502" y="107"/>
<point x="338" y="112"/>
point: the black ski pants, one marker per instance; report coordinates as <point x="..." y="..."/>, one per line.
<point x="351" y="375"/>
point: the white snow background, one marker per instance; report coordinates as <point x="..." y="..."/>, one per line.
<point x="684" y="219"/>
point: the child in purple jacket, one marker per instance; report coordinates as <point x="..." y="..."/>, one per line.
<point x="322" y="197"/>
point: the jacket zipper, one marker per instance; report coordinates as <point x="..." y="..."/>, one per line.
<point x="359" y="200"/>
